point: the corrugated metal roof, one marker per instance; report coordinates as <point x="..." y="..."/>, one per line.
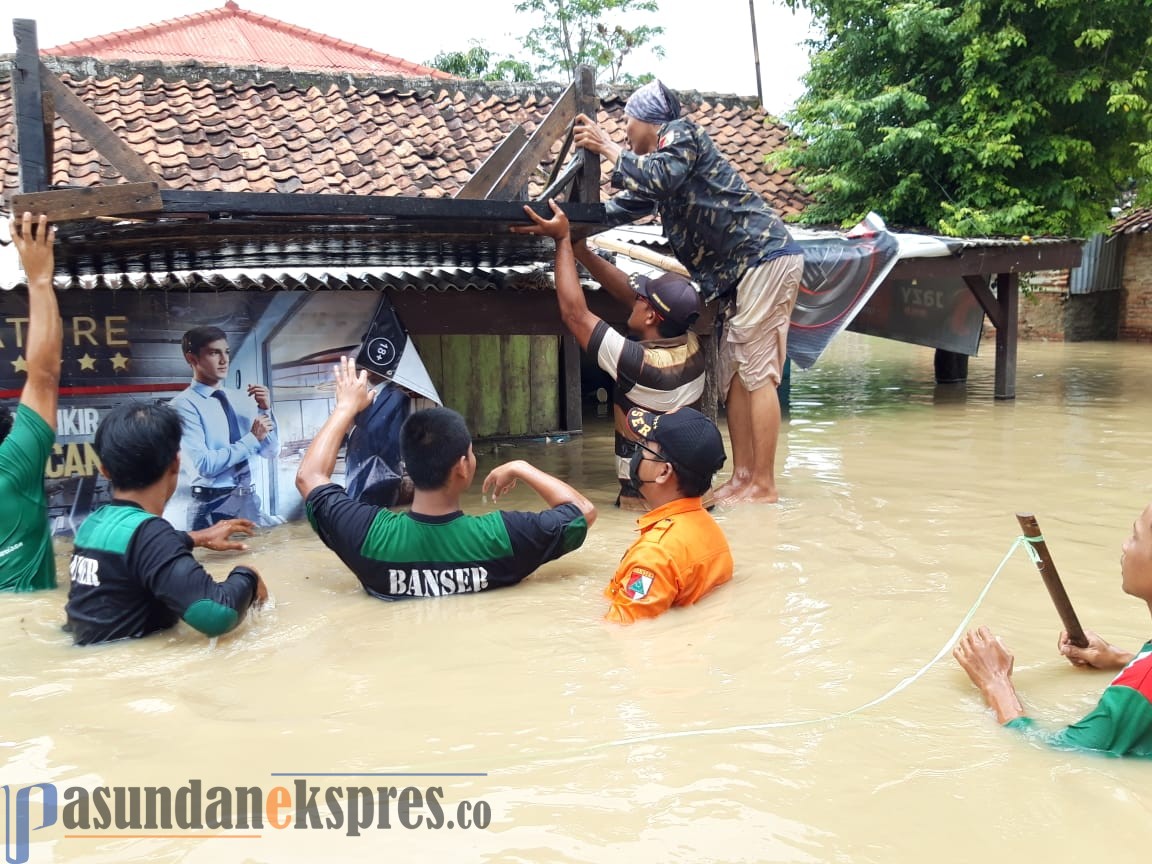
<point x="388" y="278"/>
<point x="236" y="36"/>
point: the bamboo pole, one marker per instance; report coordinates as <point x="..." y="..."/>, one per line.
<point x="639" y="253"/>
<point x="1052" y="581"/>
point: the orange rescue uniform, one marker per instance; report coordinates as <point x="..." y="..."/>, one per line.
<point x="680" y="556"/>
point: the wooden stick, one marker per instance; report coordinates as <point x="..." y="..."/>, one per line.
<point x="1052" y="581"/>
<point x="639" y="253"/>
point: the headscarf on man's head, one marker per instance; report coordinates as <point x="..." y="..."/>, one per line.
<point x="653" y="103"/>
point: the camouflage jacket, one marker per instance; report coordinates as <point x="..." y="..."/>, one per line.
<point x="717" y="226"/>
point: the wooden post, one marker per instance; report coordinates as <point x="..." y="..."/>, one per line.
<point x="573" y="419"/>
<point x="710" y="399"/>
<point x="48" y="115"/>
<point x="587" y="102"/>
<point x="951" y="367"/>
<point x="29" y="108"/>
<point x="1052" y="581"/>
<point x="1008" y="299"/>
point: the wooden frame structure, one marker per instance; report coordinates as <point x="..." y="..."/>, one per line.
<point x="185" y="229"/>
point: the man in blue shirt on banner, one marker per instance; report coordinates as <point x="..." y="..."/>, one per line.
<point x="223" y="431"/>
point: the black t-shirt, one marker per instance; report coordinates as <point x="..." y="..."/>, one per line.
<point x="401" y="555"/>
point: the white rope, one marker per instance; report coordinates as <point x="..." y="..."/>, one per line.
<point x="903" y="685"/>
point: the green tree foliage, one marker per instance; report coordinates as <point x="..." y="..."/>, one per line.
<point x="578" y="32"/>
<point x="477" y="63"/>
<point x="975" y="116"/>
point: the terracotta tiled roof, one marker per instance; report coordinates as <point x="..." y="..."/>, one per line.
<point x="1138" y="221"/>
<point x="236" y="36"/>
<point x="220" y="129"/>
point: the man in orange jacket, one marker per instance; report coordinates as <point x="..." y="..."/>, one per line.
<point x="681" y="553"/>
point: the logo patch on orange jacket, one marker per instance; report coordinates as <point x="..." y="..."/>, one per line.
<point x="638" y="583"/>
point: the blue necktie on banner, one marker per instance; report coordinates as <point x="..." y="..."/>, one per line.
<point x="243" y="472"/>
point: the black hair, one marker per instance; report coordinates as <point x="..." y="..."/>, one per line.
<point x="691" y="484"/>
<point x="5" y="422"/>
<point x="136" y="443"/>
<point x="196" y="338"/>
<point x="431" y="442"/>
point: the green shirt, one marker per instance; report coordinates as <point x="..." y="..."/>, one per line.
<point x="1120" y="724"/>
<point x="26" y="562"/>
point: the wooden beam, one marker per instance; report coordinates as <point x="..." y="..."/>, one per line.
<point x="573" y="413"/>
<point x="587" y="187"/>
<point x="62" y="205"/>
<point x="29" y="108"/>
<point x="320" y="207"/>
<point x="974" y="260"/>
<point x="48" y="112"/>
<point x="978" y="285"/>
<point x="96" y="132"/>
<point x="513" y="182"/>
<point x="500" y="313"/>
<point x="1008" y="295"/>
<point x="481" y="183"/>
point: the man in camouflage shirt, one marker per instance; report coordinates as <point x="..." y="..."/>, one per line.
<point x="734" y="246"/>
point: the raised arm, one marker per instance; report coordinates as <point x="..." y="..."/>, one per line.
<point x="553" y="490"/>
<point x="352" y="397"/>
<point x="33" y="239"/>
<point x="611" y="278"/>
<point x="574" y="311"/>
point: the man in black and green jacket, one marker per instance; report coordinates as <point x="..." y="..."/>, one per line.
<point x="434" y="550"/>
<point x="131" y="572"/>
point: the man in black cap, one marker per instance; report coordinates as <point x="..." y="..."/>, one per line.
<point x="660" y="367"/>
<point x="681" y="553"/>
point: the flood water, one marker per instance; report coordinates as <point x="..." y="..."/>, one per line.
<point x="677" y="739"/>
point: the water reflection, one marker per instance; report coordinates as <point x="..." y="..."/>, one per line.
<point x="898" y="504"/>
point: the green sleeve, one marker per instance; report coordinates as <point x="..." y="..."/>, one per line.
<point x="1120" y="725"/>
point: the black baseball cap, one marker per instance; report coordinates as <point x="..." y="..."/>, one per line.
<point x="688" y="439"/>
<point x="672" y="296"/>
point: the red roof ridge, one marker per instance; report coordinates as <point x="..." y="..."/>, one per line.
<point x="231" y="9"/>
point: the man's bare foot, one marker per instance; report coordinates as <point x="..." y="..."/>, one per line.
<point x="730" y="489"/>
<point x="755" y="494"/>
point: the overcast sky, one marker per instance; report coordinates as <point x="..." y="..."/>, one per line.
<point x="708" y="45"/>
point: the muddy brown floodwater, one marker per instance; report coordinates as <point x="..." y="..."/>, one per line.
<point x="677" y="739"/>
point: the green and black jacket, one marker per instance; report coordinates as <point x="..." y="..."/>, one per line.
<point x="132" y="574"/>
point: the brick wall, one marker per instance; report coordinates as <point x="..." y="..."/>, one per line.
<point x="1136" y="292"/>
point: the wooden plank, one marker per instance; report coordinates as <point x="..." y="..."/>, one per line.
<point x="48" y="114"/>
<point x="429" y="348"/>
<point x="180" y="201"/>
<point x="1008" y="294"/>
<point x="587" y="186"/>
<point x="572" y="411"/>
<point x="543" y="375"/>
<point x="480" y="183"/>
<point x="979" y="287"/>
<point x="487" y="384"/>
<point x="62" y="205"/>
<point x="457" y="390"/>
<point x="516" y="356"/>
<point x="96" y="132"/>
<point x="513" y="182"/>
<point x="1017" y="258"/>
<point x="29" y="108"/>
<point x="504" y="313"/>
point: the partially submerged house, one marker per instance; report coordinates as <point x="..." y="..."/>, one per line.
<point x="349" y="125"/>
